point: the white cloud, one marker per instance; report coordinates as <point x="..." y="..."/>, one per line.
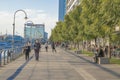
<point x="37" y="16"/>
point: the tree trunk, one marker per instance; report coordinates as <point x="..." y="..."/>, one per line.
<point x="70" y="44"/>
<point x="78" y="45"/>
<point x="95" y="41"/>
<point x="109" y="49"/>
<point x="74" y="44"/>
<point x="82" y="46"/>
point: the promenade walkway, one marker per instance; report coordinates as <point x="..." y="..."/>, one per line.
<point x="61" y="65"/>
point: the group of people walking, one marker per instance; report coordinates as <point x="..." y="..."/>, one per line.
<point x="52" y="46"/>
<point x="37" y="48"/>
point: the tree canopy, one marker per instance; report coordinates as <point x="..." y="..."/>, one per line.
<point x="89" y="20"/>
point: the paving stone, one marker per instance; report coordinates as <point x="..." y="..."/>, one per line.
<point x="59" y="66"/>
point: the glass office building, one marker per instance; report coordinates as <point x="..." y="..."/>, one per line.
<point x="62" y="9"/>
<point x="34" y="31"/>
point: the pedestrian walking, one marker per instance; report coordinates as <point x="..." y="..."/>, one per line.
<point x="53" y="47"/>
<point x="99" y="54"/>
<point x="46" y="47"/>
<point x="27" y="50"/>
<point x="37" y="49"/>
<point x="40" y="46"/>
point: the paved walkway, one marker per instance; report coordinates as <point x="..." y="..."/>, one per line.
<point x="59" y="66"/>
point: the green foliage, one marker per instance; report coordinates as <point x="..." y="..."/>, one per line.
<point x="91" y="54"/>
<point x="115" y="61"/>
<point x="90" y="20"/>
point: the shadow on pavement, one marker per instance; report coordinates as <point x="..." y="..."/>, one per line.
<point x="13" y="76"/>
<point x="97" y="65"/>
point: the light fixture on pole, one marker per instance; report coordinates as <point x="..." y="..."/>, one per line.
<point x="14" y="24"/>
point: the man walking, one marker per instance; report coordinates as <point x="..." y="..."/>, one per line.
<point x="53" y="47"/>
<point x="37" y="49"/>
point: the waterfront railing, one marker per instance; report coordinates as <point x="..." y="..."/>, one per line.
<point x="8" y="55"/>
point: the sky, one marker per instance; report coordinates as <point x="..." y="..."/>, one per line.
<point x="38" y="11"/>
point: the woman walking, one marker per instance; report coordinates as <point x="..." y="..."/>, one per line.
<point x="27" y="50"/>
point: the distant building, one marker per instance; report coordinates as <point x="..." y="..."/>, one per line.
<point x="46" y="36"/>
<point x="62" y="9"/>
<point x="71" y="4"/>
<point x="35" y="31"/>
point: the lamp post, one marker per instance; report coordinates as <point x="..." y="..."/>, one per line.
<point x="31" y="25"/>
<point x="14" y="24"/>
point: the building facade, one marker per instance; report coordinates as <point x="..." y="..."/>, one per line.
<point x="62" y="9"/>
<point x="71" y="4"/>
<point x="34" y="31"/>
<point x="46" y="36"/>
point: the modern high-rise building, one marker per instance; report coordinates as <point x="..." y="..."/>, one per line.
<point x="62" y="9"/>
<point x="46" y="36"/>
<point x="34" y="31"/>
<point x="71" y="4"/>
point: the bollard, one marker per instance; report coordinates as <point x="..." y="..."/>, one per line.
<point x="0" y="58"/>
<point x="8" y="55"/>
<point x="13" y="51"/>
<point x="4" y="57"/>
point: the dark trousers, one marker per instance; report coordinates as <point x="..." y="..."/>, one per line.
<point x="27" y="55"/>
<point x="53" y="50"/>
<point x="46" y="49"/>
<point x="37" y="55"/>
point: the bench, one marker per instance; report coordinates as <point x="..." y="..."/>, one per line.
<point x="103" y="60"/>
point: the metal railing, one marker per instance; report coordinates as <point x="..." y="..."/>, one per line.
<point x="8" y="55"/>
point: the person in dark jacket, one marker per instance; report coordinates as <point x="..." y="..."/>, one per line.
<point x="37" y="49"/>
<point x="53" y="47"/>
<point x="101" y="52"/>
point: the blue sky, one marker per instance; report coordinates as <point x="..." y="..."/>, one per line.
<point x="39" y="11"/>
<point x="50" y="6"/>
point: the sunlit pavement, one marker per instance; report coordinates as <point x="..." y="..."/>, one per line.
<point x="61" y="65"/>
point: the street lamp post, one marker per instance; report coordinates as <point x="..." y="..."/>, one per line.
<point x="14" y="24"/>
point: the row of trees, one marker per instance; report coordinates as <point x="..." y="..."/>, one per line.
<point x="90" y="20"/>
